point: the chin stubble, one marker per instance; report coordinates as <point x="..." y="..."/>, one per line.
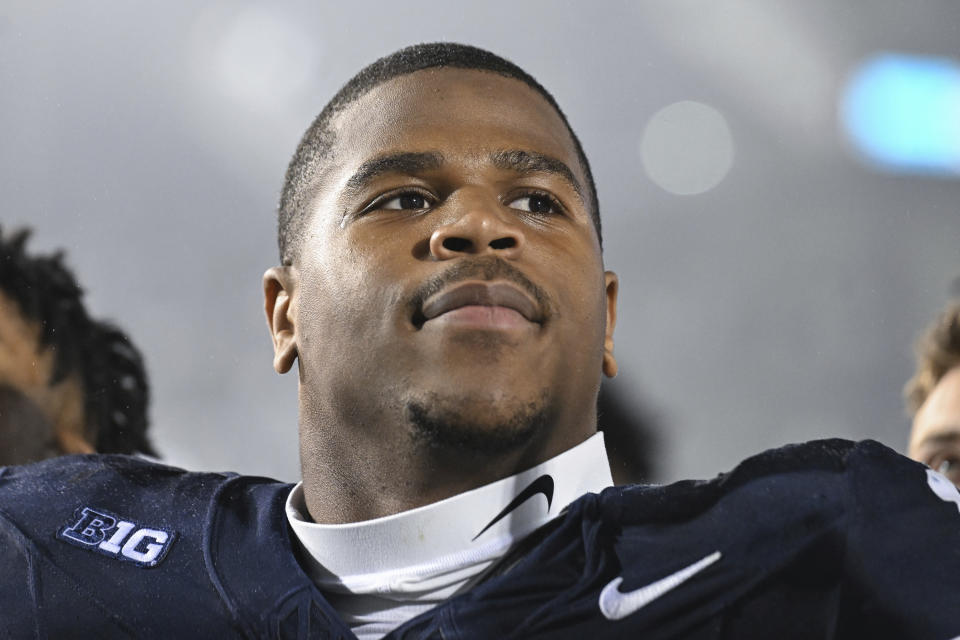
<point x="442" y="424"/>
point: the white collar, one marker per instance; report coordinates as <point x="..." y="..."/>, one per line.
<point x="429" y="546"/>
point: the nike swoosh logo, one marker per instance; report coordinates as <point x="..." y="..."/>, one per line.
<point x="543" y="484"/>
<point x="615" y="605"/>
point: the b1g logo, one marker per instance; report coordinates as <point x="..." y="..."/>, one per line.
<point x="107" y="533"/>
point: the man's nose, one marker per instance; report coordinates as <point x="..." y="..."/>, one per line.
<point x="479" y="225"/>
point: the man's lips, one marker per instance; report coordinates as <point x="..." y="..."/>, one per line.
<point x="481" y="294"/>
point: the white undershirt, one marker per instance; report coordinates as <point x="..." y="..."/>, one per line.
<point x="380" y="573"/>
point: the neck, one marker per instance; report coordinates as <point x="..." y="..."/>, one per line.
<point x="355" y="470"/>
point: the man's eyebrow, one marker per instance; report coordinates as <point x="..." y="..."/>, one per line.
<point x="532" y="162"/>
<point x="407" y="162"/>
<point x="943" y="435"/>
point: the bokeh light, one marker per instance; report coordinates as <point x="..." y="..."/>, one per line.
<point x="261" y="58"/>
<point x="902" y="113"/>
<point x="687" y="148"/>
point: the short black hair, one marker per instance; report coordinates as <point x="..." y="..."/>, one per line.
<point x="110" y="367"/>
<point x="317" y="143"/>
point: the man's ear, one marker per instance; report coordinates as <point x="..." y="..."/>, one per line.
<point x="279" y="302"/>
<point x="612" y="285"/>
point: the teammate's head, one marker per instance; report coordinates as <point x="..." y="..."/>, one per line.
<point x="933" y="396"/>
<point x="442" y="267"/>
<point x="316" y="149"/>
<point x="68" y="384"/>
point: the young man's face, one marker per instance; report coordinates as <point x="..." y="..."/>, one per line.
<point x="450" y="271"/>
<point x="935" y="438"/>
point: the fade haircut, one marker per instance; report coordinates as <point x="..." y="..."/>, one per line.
<point x="937" y="352"/>
<point x="110" y="367"/>
<point x="316" y="146"/>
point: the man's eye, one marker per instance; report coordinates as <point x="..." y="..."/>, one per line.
<point x="406" y="201"/>
<point x="535" y="203"/>
<point x="950" y="467"/>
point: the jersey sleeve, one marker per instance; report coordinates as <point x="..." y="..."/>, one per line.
<point x="902" y="560"/>
<point x="84" y="544"/>
<point x="17" y="587"/>
<point x="35" y="593"/>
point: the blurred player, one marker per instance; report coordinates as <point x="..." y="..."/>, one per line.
<point x="933" y="396"/>
<point x="68" y="383"/>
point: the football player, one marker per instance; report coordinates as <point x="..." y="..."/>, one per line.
<point x="68" y="383"/>
<point x="442" y="295"/>
<point x="933" y="396"/>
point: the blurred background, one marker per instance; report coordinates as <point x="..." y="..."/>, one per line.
<point x="779" y="184"/>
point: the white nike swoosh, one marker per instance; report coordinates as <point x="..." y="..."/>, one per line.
<point x="616" y="605"/>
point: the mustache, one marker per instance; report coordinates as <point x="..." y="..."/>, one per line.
<point x="486" y="269"/>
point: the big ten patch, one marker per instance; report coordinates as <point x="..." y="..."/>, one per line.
<point x="121" y="538"/>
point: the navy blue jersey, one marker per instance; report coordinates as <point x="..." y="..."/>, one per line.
<point x="829" y="539"/>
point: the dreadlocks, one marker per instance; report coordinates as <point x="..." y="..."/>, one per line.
<point x="109" y="366"/>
